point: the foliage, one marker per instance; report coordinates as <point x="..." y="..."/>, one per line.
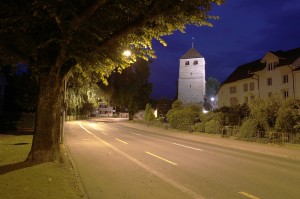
<point x="234" y="115"/>
<point x="212" y="126"/>
<point x="288" y="115"/>
<point x="211" y="87"/>
<point x="249" y="128"/>
<point x="183" y="116"/>
<point x="264" y="110"/>
<point x="53" y="37"/>
<point x="130" y="89"/>
<point x="149" y="115"/>
<point x="82" y="97"/>
<point x="163" y="105"/>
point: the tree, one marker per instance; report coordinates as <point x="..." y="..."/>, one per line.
<point x="54" y="36"/>
<point x="130" y="89"/>
<point x="212" y="86"/>
<point x="149" y="115"/>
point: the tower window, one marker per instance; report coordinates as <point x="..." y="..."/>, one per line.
<point x="195" y="62"/>
<point x="187" y="63"/>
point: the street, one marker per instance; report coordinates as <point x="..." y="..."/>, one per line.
<point x="115" y="161"/>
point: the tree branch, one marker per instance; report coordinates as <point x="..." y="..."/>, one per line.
<point x="75" y="24"/>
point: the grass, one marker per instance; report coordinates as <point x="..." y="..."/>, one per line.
<point x="19" y="180"/>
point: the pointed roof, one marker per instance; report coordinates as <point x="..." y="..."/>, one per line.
<point x="191" y="53"/>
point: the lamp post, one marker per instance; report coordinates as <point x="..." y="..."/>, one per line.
<point x="212" y="99"/>
<point x="127" y="53"/>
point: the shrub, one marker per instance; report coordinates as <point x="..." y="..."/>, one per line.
<point x="213" y="126"/>
<point x="199" y="127"/>
<point x="183" y="117"/>
<point x="149" y="115"/>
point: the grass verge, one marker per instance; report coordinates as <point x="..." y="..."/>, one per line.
<point x="43" y="181"/>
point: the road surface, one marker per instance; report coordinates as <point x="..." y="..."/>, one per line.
<point x="115" y="161"/>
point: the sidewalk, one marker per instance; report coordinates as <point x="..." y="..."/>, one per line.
<point x="286" y="151"/>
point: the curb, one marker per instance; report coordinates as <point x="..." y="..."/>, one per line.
<point x="80" y="185"/>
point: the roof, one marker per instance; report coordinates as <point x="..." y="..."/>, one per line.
<point x="191" y="53"/>
<point x="246" y="70"/>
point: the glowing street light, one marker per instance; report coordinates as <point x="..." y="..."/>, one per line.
<point x="127" y="53"/>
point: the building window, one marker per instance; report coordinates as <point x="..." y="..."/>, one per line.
<point x="285" y="94"/>
<point x="195" y="62"/>
<point x="187" y="63"/>
<point x="246" y="100"/>
<point x="285" y="79"/>
<point x="271" y="66"/>
<point x="191" y="73"/>
<point x="232" y="89"/>
<point x="245" y="87"/>
<point x="233" y="101"/>
<point x="251" y="86"/>
<point x="269" y="81"/>
<point x="269" y="94"/>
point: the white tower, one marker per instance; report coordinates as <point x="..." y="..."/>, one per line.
<point x="191" y="82"/>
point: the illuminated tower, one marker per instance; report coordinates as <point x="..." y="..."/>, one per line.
<point x="191" y="82"/>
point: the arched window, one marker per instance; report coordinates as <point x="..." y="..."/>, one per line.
<point x="187" y="63"/>
<point x="195" y="62"/>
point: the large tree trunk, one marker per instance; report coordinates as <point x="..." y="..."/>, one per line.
<point x="46" y="139"/>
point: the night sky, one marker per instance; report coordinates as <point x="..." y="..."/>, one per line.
<point x="246" y="30"/>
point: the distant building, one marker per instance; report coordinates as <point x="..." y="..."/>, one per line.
<point x="191" y="82"/>
<point x="3" y="83"/>
<point x="105" y="111"/>
<point x="276" y="72"/>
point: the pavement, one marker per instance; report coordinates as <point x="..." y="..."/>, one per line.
<point x="85" y="143"/>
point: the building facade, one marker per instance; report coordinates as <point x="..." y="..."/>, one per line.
<point x="277" y="72"/>
<point x="191" y="81"/>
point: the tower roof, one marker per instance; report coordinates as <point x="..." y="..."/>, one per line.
<point x="191" y="53"/>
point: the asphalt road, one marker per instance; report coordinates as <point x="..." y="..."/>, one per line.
<point x="115" y="161"/>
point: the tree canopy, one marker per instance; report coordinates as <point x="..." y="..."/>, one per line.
<point x="52" y="37"/>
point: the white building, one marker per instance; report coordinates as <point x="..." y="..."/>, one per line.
<point x="191" y="82"/>
<point x="276" y="72"/>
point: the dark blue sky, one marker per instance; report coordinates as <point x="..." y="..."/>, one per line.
<point x="246" y="30"/>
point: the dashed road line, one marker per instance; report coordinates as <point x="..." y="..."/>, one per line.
<point x="248" y="195"/>
<point x="148" y="168"/>
<point x="189" y="147"/>
<point x="168" y="161"/>
<point x="121" y="141"/>
<point x="134" y="133"/>
<point x="103" y="133"/>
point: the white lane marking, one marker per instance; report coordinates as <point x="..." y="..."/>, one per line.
<point x="248" y="195"/>
<point x="121" y="141"/>
<point x="95" y="127"/>
<point x="189" y="147"/>
<point x="103" y="133"/>
<point x="134" y="133"/>
<point x="168" y="161"/>
<point x="84" y="139"/>
<point x="149" y="169"/>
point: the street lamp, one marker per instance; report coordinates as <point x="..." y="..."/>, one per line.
<point x="127" y="53"/>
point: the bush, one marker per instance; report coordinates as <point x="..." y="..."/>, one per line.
<point x="183" y="117"/>
<point x="199" y="127"/>
<point x="249" y="128"/>
<point x="213" y="126"/>
<point x="149" y="115"/>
